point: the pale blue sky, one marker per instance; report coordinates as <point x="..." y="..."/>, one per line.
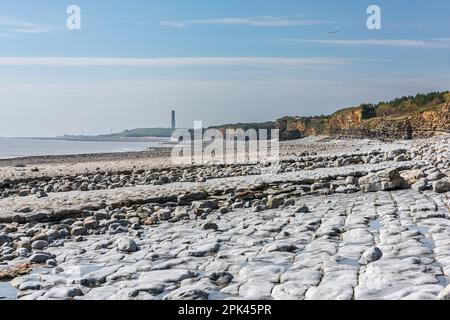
<point x="218" y="61"/>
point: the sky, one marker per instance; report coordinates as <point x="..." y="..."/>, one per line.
<point x="133" y="61"/>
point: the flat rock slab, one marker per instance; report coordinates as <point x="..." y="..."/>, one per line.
<point x="283" y="260"/>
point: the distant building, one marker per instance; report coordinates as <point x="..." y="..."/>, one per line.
<point x="173" y="121"/>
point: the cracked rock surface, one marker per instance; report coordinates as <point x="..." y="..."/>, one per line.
<point x="329" y="225"/>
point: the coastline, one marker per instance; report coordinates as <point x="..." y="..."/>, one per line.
<point x="80" y="158"/>
<point x="46" y="150"/>
<point x="98" y="139"/>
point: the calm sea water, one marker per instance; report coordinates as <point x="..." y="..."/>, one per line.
<point x="12" y="148"/>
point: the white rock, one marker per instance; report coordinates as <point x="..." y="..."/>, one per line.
<point x="445" y="294"/>
<point x="371" y="255"/>
<point x="126" y="245"/>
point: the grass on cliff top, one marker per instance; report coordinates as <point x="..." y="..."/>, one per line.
<point x="346" y="110"/>
<point x="404" y="110"/>
<point x="400" y="108"/>
<point x="394" y="118"/>
<point x="405" y="106"/>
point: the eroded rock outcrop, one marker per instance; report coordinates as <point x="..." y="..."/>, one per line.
<point x="404" y="118"/>
<point x="385" y="180"/>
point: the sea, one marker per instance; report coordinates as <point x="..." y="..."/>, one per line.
<point x="20" y="147"/>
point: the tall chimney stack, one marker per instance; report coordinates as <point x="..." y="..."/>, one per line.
<point x="173" y="121"/>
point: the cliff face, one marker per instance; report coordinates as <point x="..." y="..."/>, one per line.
<point x="418" y="124"/>
<point x="363" y="122"/>
<point x="298" y="127"/>
<point x="407" y="117"/>
<point x="431" y="120"/>
<point x="343" y="120"/>
<point x="351" y="118"/>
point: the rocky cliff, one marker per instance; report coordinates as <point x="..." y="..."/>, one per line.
<point x="408" y="117"/>
<point x="431" y="120"/>
<point x="351" y="118"/>
<point x="435" y="120"/>
<point x="298" y="127"/>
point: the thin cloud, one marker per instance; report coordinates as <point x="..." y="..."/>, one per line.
<point x="176" y="62"/>
<point x="435" y="43"/>
<point x="14" y="25"/>
<point x="261" y="21"/>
